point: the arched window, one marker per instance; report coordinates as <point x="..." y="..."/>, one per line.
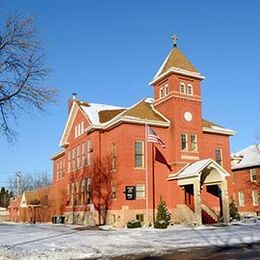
<point x="161" y="92"/>
<point x="166" y="90"/>
<point x="182" y="88"/>
<point x="189" y="89"/>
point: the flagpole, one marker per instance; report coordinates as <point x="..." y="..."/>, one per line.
<point x="146" y="175"/>
<point x="153" y="191"/>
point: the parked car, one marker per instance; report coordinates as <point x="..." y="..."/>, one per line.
<point x="249" y="219"/>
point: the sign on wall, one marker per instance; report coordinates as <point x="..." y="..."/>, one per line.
<point x="130" y="192"/>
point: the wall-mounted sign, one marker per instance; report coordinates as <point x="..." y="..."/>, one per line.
<point x="130" y="192"/>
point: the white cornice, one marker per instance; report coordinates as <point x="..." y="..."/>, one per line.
<point x="177" y="71"/>
<point x="219" y="130"/>
<point x="58" y="154"/>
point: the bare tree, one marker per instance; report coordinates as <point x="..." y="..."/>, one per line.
<point x="29" y="182"/>
<point x="104" y="180"/>
<point x="22" y="71"/>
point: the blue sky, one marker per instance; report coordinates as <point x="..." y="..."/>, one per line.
<point x="108" y="51"/>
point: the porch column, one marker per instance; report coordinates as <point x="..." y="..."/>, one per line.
<point x="197" y="201"/>
<point x="225" y="202"/>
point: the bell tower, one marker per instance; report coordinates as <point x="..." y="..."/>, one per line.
<point x="177" y="96"/>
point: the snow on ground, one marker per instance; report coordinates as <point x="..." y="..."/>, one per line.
<point x="42" y="241"/>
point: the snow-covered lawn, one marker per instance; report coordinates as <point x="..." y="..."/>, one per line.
<point x="41" y="241"/>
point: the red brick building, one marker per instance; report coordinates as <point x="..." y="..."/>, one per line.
<point x="246" y="173"/>
<point x="105" y="149"/>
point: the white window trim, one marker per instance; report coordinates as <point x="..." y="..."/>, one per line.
<point x="142" y="186"/>
<point x="143" y="166"/>
<point x="184" y="88"/>
<point x="196" y="143"/>
<point x="240" y="196"/>
<point x="187" y="142"/>
<point x="255" y="197"/>
<point x="221" y="155"/>
<point x="166" y="90"/>
<point x="161" y="92"/>
<point x="252" y="172"/>
<point x="191" y="87"/>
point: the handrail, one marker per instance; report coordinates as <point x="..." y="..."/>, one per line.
<point x="210" y="208"/>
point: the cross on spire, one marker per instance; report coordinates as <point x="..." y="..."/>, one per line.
<point x="174" y="39"/>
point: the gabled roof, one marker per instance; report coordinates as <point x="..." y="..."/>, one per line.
<point x="101" y="116"/>
<point x="30" y="198"/>
<point x="211" y="127"/>
<point x="194" y="169"/>
<point x="250" y="157"/>
<point x="93" y="110"/>
<point x="145" y="110"/>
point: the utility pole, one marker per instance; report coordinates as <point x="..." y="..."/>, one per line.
<point x="18" y="182"/>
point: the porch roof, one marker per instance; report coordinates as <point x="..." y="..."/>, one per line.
<point x="195" y="168"/>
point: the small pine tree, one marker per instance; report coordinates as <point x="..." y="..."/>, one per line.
<point x="233" y="211"/>
<point x="163" y="216"/>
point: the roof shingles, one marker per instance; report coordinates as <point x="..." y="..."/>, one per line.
<point x="178" y="60"/>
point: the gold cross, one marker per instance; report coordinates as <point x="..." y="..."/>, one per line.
<point x="174" y="39"/>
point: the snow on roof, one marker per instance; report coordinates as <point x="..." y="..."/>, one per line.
<point x="194" y="169"/>
<point x="93" y="109"/>
<point x="251" y="157"/>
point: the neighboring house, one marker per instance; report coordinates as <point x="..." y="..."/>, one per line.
<point x="105" y="159"/>
<point x="32" y="206"/>
<point x="246" y="174"/>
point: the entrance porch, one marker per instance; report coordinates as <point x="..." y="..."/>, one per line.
<point x="205" y="191"/>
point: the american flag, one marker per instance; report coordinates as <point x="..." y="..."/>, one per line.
<point x="154" y="138"/>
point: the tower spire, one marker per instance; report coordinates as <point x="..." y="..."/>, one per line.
<point x="174" y="39"/>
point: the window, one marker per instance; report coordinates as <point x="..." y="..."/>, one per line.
<point x="253" y="175"/>
<point x="182" y="88"/>
<point x="72" y="194"/>
<point x="140" y="191"/>
<point x="90" y="150"/>
<point x="161" y="92"/>
<point x="166" y="90"/>
<point x="68" y="194"/>
<point x="139" y="154"/>
<point x="83" y="154"/>
<point x="79" y="129"/>
<point x="256" y="198"/>
<point x="78" y="156"/>
<point x="140" y="217"/>
<point x="57" y="169"/>
<point x="218" y="156"/>
<point x="82" y="191"/>
<point x="73" y="159"/>
<point x="241" y="198"/>
<point x="193" y="143"/>
<point x="88" y="190"/>
<point x="184" y="142"/>
<point x="189" y="89"/>
<point x="61" y="169"/>
<point x="69" y="161"/>
<point x="76" y="131"/>
<point x="113" y="162"/>
<point x="113" y="192"/>
<point x="77" y="193"/>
